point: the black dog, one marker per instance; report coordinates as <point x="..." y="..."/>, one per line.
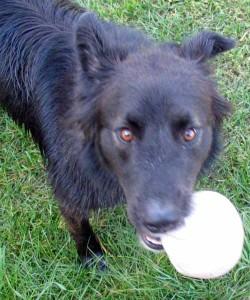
<point x="115" y="114"/>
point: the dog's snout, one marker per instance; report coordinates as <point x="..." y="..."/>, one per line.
<point x="159" y="219"/>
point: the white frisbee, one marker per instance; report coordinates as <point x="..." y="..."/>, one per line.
<point x="210" y="242"/>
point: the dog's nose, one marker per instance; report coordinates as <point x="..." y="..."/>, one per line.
<point x="160" y="220"/>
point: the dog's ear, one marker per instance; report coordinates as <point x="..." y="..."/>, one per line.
<point x="221" y="107"/>
<point x="92" y="41"/>
<point x="205" y="45"/>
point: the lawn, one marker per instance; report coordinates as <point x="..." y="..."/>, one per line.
<point x="37" y="256"/>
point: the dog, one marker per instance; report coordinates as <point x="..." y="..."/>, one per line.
<point x="117" y="116"/>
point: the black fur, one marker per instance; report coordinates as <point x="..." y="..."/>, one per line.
<point x="75" y="82"/>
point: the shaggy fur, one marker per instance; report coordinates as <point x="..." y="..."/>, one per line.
<point x="79" y="84"/>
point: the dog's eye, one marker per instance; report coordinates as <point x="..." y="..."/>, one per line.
<point x="126" y="135"/>
<point x="189" y="135"/>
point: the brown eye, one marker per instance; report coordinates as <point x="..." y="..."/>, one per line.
<point x="126" y="135"/>
<point x="189" y="135"/>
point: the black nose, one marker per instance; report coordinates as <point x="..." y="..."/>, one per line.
<point x="159" y="220"/>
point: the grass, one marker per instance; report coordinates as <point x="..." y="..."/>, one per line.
<point x="37" y="256"/>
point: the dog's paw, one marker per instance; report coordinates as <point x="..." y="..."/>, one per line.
<point x="96" y="260"/>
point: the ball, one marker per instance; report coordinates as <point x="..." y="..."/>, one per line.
<point x="210" y="242"/>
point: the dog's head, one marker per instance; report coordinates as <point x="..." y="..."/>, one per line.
<point x="154" y="114"/>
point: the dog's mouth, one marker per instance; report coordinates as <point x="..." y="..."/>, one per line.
<point x="150" y="242"/>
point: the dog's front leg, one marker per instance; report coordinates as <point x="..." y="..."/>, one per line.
<point x="87" y="243"/>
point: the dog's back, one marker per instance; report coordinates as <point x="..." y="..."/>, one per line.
<point x="35" y="39"/>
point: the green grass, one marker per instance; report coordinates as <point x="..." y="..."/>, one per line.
<point x="37" y="256"/>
